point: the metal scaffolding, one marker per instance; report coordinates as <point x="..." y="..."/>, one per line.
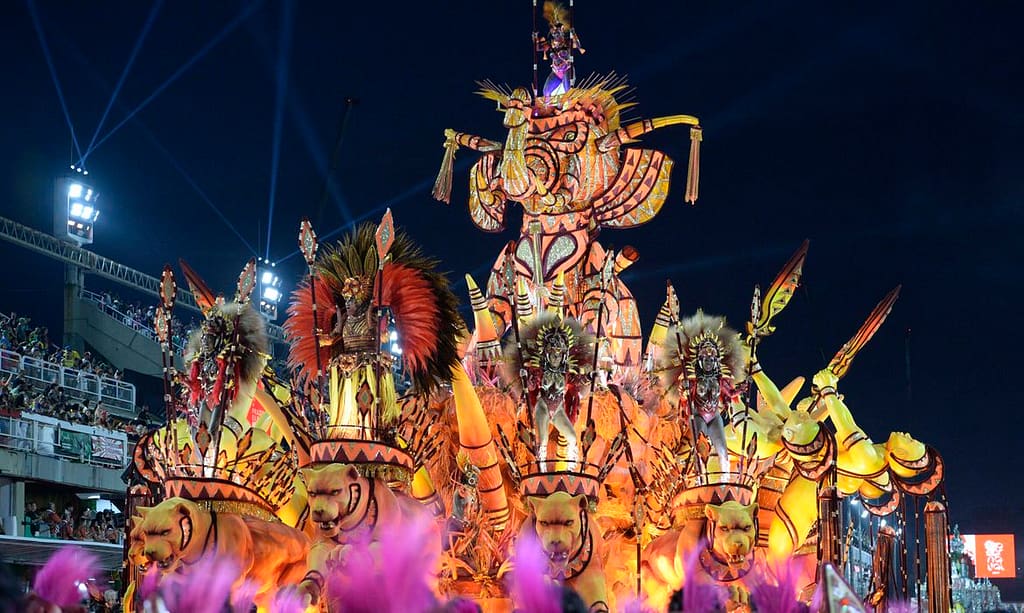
<point x="47" y="245"/>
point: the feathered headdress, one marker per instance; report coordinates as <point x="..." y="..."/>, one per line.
<point x="549" y="332"/>
<point x="556" y="14"/>
<point x="689" y="337"/>
<point x="424" y="308"/>
<point x="232" y="333"/>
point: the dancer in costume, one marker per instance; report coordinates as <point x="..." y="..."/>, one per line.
<point x="704" y="363"/>
<point x="558" y="46"/>
<point x="556" y="358"/>
<point x="351" y="323"/>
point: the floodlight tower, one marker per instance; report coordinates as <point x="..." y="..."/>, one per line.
<point x="269" y="289"/>
<point x="75" y="211"/>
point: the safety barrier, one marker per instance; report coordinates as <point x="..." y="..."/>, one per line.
<point x="58" y="438"/>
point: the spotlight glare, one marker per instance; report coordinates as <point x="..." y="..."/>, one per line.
<point x="267" y="276"/>
<point x="393" y="336"/>
<point x="76" y="209"/>
<point x="75" y="190"/>
<point x="87" y="212"/>
<point x="271" y="294"/>
<point x="863" y="514"/>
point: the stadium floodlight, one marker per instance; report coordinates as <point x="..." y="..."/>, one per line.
<point x="269" y="292"/>
<point x="75" y="209"/>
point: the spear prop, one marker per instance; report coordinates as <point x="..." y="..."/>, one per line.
<point x="243" y="291"/>
<point x="841" y="361"/>
<point x="385" y="239"/>
<point x="308" y="246"/>
<point x="763" y="311"/>
<point x="508" y="272"/>
<point x="605" y="281"/>
<point x="673" y="319"/>
<point x="162" y="322"/>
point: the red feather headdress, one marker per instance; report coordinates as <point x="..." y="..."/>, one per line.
<point x="424" y="308"/>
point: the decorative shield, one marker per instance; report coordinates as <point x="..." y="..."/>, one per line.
<point x="307" y="241"/>
<point x="385" y="237"/>
<point x="168" y="288"/>
<point x="160" y="323"/>
<point x="246" y="282"/>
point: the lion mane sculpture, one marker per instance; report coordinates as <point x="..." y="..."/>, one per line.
<point x="177" y="533"/>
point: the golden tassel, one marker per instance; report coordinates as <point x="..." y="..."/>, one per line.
<point x="693" y="172"/>
<point x="443" y="185"/>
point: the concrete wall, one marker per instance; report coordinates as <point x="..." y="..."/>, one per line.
<point x="35" y="467"/>
<point x="123" y="347"/>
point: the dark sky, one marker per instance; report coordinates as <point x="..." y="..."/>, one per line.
<point x="889" y="135"/>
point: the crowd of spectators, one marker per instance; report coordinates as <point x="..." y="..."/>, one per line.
<point x="73" y="524"/>
<point x="20" y="395"/>
<point x="140" y="318"/>
<point x="19" y="335"/>
<point x="17" y="397"/>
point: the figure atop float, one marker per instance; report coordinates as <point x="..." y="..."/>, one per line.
<point x="223" y="481"/>
<point x="365" y="461"/>
<point x="566" y="162"/>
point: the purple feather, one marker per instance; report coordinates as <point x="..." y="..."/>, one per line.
<point x="699" y="594"/>
<point x="243" y="597"/>
<point x="149" y="585"/>
<point x="204" y="588"/>
<point x="901" y="606"/>
<point x="531" y="590"/>
<point x="778" y="593"/>
<point x="387" y="576"/>
<point x="288" y="600"/>
<point x="57" y="582"/>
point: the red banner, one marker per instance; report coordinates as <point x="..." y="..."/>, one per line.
<point x="992" y="554"/>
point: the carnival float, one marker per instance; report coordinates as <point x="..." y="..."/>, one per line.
<point x="639" y="461"/>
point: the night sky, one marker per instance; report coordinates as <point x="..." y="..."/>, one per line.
<point x="890" y="136"/>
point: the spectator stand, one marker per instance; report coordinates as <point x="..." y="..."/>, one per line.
<point x="78" y="384"/>
<point x="135" y="317"/>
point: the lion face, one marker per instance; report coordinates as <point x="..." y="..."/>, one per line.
<point x="334" y="492"/>
<point x="905" y="447"/>
<point x="800" y="428"/>
<point x="732" y="529"/>
<point x="163" y="535"/>
<point x="559" y="520"/>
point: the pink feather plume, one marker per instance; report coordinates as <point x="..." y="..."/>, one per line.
<point x="204" y="588"/>
<point x="778" y="591"/>
<point x="531" y="590"/>
<point x="699" y="594"/>
<point x="389" y="575"/>
<point x="57" y="581"/>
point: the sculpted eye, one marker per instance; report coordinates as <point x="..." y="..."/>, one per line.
<point x="569" y="137"/>
<point x="165" y="532"/>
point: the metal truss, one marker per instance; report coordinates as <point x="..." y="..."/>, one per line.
<point x="66" y="252"/>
